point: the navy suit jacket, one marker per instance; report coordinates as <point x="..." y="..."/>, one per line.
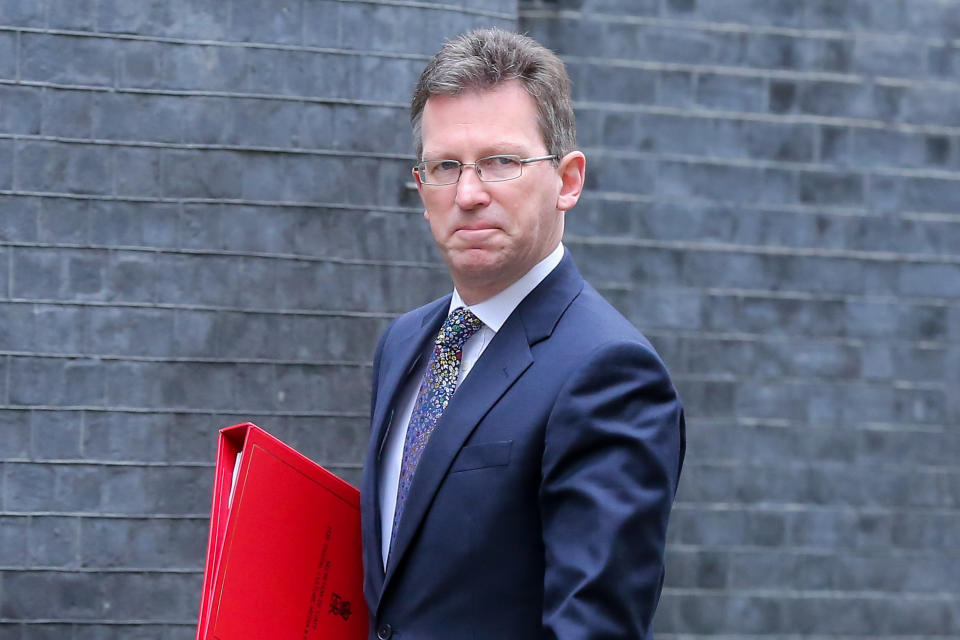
<point x="539" y="508"/>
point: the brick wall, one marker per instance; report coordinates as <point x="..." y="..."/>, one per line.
<point x="774" y="197"/>
<point x="205" y="218"/>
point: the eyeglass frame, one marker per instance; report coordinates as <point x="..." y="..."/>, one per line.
<point x="461" y="165"/>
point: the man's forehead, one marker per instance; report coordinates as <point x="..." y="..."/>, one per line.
<point x="488" y="148"/>
<point x="507" y="90"/>
<point x="488" y="120"/>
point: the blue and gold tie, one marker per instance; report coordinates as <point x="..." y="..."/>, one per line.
<point x="439" y="383"/>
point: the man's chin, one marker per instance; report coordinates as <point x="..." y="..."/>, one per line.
<point x="476" y="265"/>
<point x="474" y="259"/>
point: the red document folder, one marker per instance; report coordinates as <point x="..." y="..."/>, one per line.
<point x="283" y="557"/>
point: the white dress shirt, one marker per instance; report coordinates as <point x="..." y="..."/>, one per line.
<point x="493" y="312"/>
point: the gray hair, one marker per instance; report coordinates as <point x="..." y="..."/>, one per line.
<point x="484" y="58"/>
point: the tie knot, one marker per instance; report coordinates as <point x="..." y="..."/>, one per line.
<point x="458" y="327"/>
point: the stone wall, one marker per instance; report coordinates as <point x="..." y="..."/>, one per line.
<point x="775" y="196"/>
<point x="205" y="218"/>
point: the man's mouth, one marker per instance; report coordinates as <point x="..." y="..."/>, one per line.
<point x="475" y="236"/>
<point x="476" y="228"/>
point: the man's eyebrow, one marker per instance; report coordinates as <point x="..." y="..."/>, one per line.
<point x="501" y="148"/>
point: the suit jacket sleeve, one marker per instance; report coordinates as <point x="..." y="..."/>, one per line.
<point x="611" y="461"/>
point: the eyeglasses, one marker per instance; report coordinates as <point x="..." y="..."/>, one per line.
<point x="489" y="169"/>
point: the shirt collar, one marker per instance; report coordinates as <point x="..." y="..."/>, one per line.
<point x="493" y="312"/>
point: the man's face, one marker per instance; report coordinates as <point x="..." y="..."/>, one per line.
<point x="491" y="233"/>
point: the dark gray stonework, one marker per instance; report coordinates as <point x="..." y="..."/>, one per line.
<point x="780" y="215"/>
<point x="206" y="217"/>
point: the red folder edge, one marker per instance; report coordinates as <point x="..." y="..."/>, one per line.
<point x="232" y="441"/>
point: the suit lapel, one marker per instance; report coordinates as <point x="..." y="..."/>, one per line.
<point x="411" y="344"/>
<point x="503" y="361"/>
<point x="407" y="349"/>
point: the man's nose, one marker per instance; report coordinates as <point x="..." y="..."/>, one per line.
<point x="471" y="191"/>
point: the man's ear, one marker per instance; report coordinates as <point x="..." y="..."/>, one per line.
<point x="572" y="171"/>
<point x="416" y="179"/>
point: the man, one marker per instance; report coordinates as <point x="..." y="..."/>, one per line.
<point x="526" y="440"/>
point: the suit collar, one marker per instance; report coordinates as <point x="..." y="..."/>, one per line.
<point x="542" y="309"/>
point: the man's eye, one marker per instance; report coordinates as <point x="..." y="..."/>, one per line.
<point x="448" y="165"/>
<point x="504" y="161"/>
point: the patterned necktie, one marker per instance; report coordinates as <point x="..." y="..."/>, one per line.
<point x="439" y="383"/>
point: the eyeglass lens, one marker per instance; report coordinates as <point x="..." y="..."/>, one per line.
<point x="492" y="169"/>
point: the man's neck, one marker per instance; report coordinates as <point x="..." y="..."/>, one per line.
<point x="494" y="309"/>
<point x="472" y="294"/>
